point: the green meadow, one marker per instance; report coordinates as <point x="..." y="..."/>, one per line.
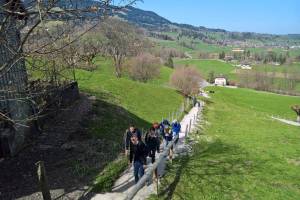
<point x="207" y="66"/>
<point x="240" y="152"/>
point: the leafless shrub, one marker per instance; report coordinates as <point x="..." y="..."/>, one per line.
<point x="144" y="67"/>
<point x="186" y="80"/>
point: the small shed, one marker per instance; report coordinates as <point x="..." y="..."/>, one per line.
<point x="220" y="81"/>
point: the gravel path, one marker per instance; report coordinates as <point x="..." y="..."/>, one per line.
<point x="287" y="121"/>
<point x="126" y="182"/>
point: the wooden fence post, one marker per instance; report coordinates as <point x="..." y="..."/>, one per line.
<point x="42" y="180"/>
<point x="186" y="130"/>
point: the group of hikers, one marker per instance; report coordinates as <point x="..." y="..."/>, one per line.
<point x="138" y="150"/>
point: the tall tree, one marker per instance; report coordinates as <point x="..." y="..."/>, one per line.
<point x="16" y="103"/>
<point x="222" y="55"/>
<point x="122" y="40"/>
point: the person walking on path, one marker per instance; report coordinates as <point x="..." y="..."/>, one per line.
<point x="155" y="125"/>
<point x="164" y="129"/>
<point x="138" y="156"/>
<point x="176" y="127"/>
<point x="153" y="145"/>
<point x="194" y="101"/>
<point x="168" y="136"/>
<point x="129" y="132"/>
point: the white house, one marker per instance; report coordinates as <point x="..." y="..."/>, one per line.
<point x="220" y="81"/>
<point x="246" y="66"/>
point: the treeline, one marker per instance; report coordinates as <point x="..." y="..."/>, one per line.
<point x="263" y="57"/>
<point x="161" y="36"/>
<point x="279" y="82"/>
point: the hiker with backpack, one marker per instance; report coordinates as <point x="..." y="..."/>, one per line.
<point x="176" y="127"/>
<point x="129" y="132"/>
<point x="164" y="131"/>
<point x="153" y="145"/>
<point x="137" y="157"/>
<point x="167" y="135"/>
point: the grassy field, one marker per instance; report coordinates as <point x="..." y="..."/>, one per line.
<point x="139" y="98"/>
<point x="241" y="152"/>
<point x="206" y="66"/>
<point x="121" y="102"/>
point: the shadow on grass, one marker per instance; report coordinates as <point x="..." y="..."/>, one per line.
<point x="76" y="150"/>
<point x="214" y="168"/>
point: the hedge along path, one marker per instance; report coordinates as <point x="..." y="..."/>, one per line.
<point x="125" y="187"/>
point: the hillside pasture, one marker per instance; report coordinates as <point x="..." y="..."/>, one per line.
<point x="207" y="66"/>
<point x="240" y="153"/>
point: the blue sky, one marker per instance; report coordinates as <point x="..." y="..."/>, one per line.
<point x="262" y="16"/>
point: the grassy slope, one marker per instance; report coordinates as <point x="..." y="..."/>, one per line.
<point x="242" y="153"/>
<point x="121" y="102"/>
<point x="205" y="66"/>
<point x="142" y="99"/>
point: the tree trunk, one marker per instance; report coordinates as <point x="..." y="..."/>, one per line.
<point x="118" y="72"/>
<point x="298" y="118"/>
<point x="13" y="78"/>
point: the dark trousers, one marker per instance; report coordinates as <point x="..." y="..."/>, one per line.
<point x="152" y="155"/>
<point x="138" y="170"/>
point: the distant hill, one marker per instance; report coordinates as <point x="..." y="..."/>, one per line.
<point x="155" y="23"/>
<point x="159" y="26"/>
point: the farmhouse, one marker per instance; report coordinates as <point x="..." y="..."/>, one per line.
<point x="220" y="81"/>
<point x="246" y="66"/>
<point x="238" y="50"/>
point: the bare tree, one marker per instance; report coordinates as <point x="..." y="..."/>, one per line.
<point x="144" y="67"/>
<point x="19" y="22"/>
<point x="122" y="40"/>
<point x="187" y="80"/>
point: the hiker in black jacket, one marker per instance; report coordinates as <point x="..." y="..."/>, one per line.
<point x="152" y="143"/>
<point x="132" y="130"/>
<point x="138" y="155"/>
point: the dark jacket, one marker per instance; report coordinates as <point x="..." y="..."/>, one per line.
<point x="129" y="135"/>
<point x="138" y="153"/>
<point x="152" y="143"/>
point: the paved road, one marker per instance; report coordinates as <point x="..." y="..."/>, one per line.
<point x="126" y="182"/>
